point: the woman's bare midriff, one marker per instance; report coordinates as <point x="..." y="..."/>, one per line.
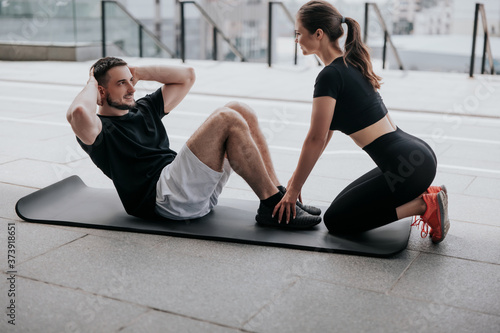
<point x="368" y="134"/>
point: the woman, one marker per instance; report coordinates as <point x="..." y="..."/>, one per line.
<point x="346" y="99"/>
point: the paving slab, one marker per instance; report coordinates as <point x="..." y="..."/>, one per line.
<point x="86" y="169"/>
<point x="473" y="209"/>
<point x="212" y="286"/>
<point x="480" y="154"/>
<point x="9" y="195"/>
<point x="412" y="89"/>
<point x="484" y="187"/>
<point x="6" y="159"/>
<point x="237" y="193"/>
<point x="46" y="91"/>
<point x="23" y="109"/>
<point x="315" y="306"/>
<point x="464" y="240"/>
<point x="466" y="284"/>
<point x="43" y="307"/>
<point x="401" y="90"/>
<point x="59" y="150"/>
<point x="360" y="272"/>
<point x="455" y="183"/>
<point x="34" y="239"/>
<point x="30" y="132"/>
<point x="26" y="172"/>
<point x="157" y="278"/>
<point x="160" y="322"/>
<point x="344" y="165"/>
<point x="450" y="127"/>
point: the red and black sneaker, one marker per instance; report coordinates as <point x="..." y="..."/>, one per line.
<point x="435" y="217"/>
<point x="437" y="189"/>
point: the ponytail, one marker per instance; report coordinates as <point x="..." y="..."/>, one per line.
<point x="318" y="14"/>
<point x="356" y="53"/>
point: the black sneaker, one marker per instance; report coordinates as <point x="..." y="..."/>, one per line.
<point x="309" y="209"/>
<point x="302" y="220"/>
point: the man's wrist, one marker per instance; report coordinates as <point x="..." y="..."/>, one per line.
<point x="138" y="73"/>
<point x="93" y="82"/>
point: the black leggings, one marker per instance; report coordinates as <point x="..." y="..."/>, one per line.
<point x="406" y="167"/>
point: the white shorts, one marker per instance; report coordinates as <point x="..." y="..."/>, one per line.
<point x="188" y="188"/>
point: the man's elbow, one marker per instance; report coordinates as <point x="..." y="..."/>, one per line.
<point x="74" y="112"/>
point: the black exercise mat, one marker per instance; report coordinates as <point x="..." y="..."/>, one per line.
<point x="70" y="202"/>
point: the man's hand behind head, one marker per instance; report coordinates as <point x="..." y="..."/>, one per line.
<point x="133" y="71"/>
<point x="92" y="80"/>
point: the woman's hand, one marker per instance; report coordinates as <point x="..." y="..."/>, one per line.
<point x="287" y="206"/>
<point x="289" y="185"/>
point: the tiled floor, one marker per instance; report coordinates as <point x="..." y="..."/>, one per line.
<point x="85" y="280"/>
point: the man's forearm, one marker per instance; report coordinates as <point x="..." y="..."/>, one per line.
<point x="86" y="99"/>
<point x="164" y="74"/>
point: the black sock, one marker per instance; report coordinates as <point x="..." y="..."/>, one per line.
<point x="272" y="200"/>
<point x="282" y="189"/>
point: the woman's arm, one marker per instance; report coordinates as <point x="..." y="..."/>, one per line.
<point x="314" y="144"/>
<point x="177" y="81"/>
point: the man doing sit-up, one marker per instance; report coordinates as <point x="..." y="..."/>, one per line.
<point x="127" y="140"/>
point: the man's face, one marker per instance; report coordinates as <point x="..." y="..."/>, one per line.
<point x="120" y="90"/>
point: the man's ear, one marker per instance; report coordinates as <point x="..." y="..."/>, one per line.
<point x="102" y="95"/>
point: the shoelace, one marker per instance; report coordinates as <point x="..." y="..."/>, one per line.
<point x="424" y="227"/>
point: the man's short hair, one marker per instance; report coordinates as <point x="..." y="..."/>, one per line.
<point x="103" y="65"/>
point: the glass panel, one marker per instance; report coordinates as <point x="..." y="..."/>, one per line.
<point x="88" y="21"/>
<point x="151" y="49"/>
<point x="122" y="33"/>
<point x="50" y="21"/>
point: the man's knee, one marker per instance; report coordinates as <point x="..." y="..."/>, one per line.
<point x="229" y="117"/>
<point x="243" y="109"/>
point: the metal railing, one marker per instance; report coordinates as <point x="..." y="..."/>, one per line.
<point x="270" y="29"/>
<point x="486" y="44"/>
<point x="216" y="30"/>
<point x="387" y="36"/>
<point x="141" y="30"/>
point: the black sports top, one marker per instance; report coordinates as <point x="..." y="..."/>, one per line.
<point x="132" y="150"/>
<point x="358" y="104"/>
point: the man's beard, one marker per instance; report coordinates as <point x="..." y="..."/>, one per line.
<point x="118" y="105"/>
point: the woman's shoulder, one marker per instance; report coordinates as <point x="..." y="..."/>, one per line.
<point x="329" y="71"/>
<point x="329" y="74"/>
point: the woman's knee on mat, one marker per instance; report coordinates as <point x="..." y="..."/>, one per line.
<point x="336" y="221"/>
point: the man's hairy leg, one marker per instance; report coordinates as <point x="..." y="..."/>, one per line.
<point x="227" y="132"/>
<point x="251" y="118"/>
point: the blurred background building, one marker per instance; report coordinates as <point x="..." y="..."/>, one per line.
<point x="429" y="34"/>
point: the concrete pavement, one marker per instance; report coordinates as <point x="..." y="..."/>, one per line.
<point x="85" y="280"/>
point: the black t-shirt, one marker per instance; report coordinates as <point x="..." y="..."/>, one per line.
<point x="358" y="104"/>
<point x="132" y="150"/>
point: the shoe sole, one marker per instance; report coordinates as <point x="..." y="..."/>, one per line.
<point x="285" y="225"/>
<point x="443" y="212"/>
<point x="443" y="188"/>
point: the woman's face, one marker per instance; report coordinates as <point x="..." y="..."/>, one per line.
<point x="308" y="44"/>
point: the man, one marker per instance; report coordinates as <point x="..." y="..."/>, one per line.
<point x="128" y="142"/>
